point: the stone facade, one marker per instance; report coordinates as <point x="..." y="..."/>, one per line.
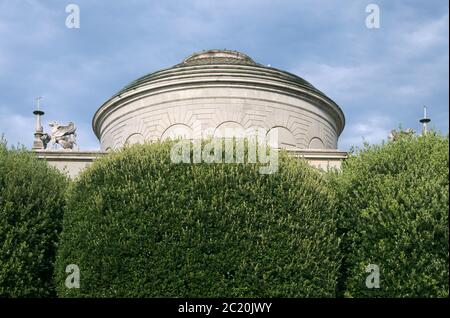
<point x="69" y="162"/>
<point x="216" y="90"/>
<point x="208" y="95"/>
<point x="73" y="162"/>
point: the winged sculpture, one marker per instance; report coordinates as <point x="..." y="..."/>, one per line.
<point x="65" y="136"/>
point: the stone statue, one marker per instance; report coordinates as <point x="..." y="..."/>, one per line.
<point x="397" y="134"/>
<point x="65" y="136"/>
<point x="45" y="138"/>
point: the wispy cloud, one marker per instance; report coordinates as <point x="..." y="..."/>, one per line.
<point x="372" y="129"/>
<point x="398" y="69"/>
<point x="13" y="124"/>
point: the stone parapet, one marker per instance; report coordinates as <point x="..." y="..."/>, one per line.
<point x="73" y="162"/>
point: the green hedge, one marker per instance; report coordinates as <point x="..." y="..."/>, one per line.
<point x="31" y="210"/>
<point x="138" y="225"/>
<point x="393" y="204"/>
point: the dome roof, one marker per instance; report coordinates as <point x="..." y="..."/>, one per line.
<point x="217" y="57"/>
<point x="222" y="74"/>
<point x="210" y="58"/>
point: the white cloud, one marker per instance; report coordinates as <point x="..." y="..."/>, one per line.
<point x="17" y="128"/>
<point x="372" y="129"/>
<point x="342" y="82"/>
<point x="415" y="38"/>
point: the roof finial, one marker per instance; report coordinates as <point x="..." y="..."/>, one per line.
<point x="425" y="120"/>
<point x="38" y="143"/>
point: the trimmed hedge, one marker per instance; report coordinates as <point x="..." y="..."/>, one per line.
<point x="31" y="210"/>
<point x="393" y="204"/>
<point x="138" y="225"/>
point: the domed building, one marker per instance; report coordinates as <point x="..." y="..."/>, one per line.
<point x="213" y="91"/>
<point x="209" y="94"/>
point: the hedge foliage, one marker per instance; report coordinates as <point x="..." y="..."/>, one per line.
<point x="393" y="205"/>
<point x="138" y="225"/>
<point x="31" y="210"/>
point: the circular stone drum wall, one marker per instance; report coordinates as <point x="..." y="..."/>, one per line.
<point x="214" y="91"/>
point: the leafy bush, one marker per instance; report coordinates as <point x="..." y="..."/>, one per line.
<point x="31" y="210"/>
<point x="138" y="225"/>
<point x="393" y="204"/>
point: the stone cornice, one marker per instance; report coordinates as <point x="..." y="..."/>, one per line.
<point x="319" y="154"/>
<point x="51" y="155"/>
<point x="61" y="155"/>
<point x="256" y="77"/>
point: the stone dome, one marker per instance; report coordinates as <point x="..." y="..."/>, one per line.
<point x="215" y="90"/>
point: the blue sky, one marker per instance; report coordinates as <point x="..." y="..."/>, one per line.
<point x="380" y="77"/>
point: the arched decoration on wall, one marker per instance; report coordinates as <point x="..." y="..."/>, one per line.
<point x="108" y="142"/>
<point x="316" y="143"/>
<point x="177" y="131"/>
<point x="135" y="138"/>
<point x="281" y="137"/>
<point x="229" y="129"/>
